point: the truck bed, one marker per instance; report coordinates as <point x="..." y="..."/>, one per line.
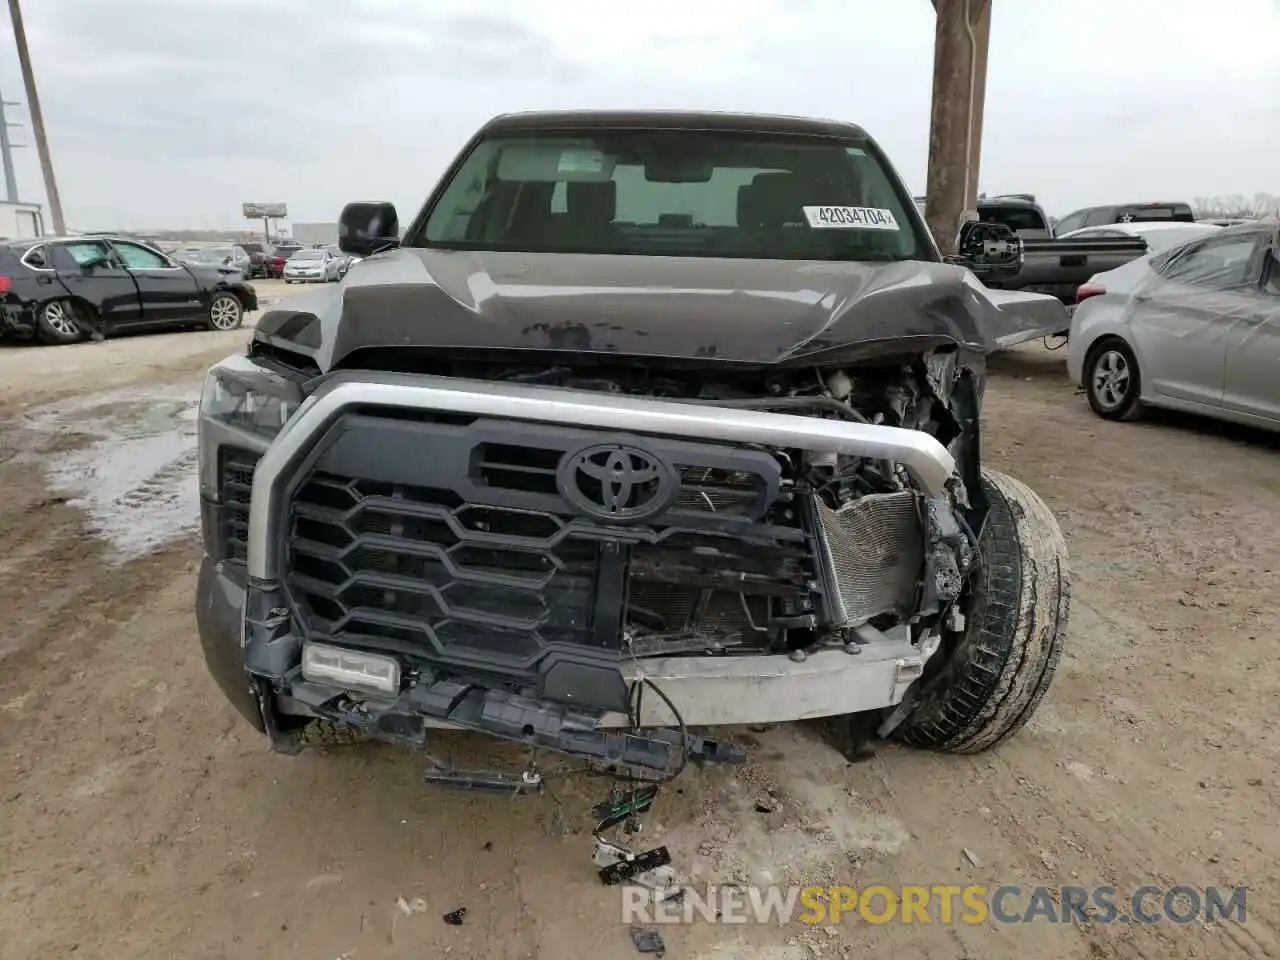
<point x="1059" y="267"/>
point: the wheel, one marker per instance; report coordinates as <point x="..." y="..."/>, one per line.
<point x="1111" y="380"/>
<point x="56" y="322"/>
<point x="330" y="733"/>
<point x="226" y="312"/>
<point x="986" y="681"/>
<point x="288" y="281"/>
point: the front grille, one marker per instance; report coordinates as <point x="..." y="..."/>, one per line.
<point x="452" y="541"/>
<point x="414" y="564"/>
<point x="235" y="486"/>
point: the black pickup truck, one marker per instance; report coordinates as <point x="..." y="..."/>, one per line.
<point x="1051" y="265"/>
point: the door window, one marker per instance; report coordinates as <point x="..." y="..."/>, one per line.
<point x="1218" y="264"/>
<point x="35" y="258"/>
<point x="139" y="257"/>
<point x="1099" y="215"/>
<point x="87" y="251"/>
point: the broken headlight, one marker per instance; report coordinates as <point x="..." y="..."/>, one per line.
<point x="247" y="397"/>
<point x="243" y="406"/>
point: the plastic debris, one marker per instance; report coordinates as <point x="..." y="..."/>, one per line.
<point x="648" y="941"/>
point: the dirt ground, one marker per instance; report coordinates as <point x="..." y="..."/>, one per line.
<point x="141" y="818"/>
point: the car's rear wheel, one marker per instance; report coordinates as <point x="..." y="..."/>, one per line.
<point x="226" y="312"/>
<point x="1112" y="381"/>
<point x="986" y="681"/>
<point x="57" y="322"/>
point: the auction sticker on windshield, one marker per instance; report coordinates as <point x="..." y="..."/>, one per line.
<point x="850" y="218"/>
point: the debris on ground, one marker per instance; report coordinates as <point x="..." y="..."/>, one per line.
<point x="648" y="941"/>
<point x="410" y="907"/>
<point x="972" y="857"/>
<point x="454" y="917"/>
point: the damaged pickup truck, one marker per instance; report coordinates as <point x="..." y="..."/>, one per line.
<point x="649" y="423"/>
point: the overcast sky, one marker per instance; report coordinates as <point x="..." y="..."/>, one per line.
<point x="170" y="114"/>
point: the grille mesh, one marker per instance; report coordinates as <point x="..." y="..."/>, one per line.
<point x="235" y="489"/>
<point x="875" y="551"/>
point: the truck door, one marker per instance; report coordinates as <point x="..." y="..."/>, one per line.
<point x="89" y="271"/>
<point x="168" y="292"/>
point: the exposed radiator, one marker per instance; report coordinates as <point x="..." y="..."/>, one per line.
<point x="874" y="548"/>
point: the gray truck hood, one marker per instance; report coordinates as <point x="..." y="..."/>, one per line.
<point x="756" y="312"/>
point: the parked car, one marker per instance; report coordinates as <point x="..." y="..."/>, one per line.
<point x="57" y="288"/>
<point x="1051" y="265"/>
<point x="344" y="259"/>
<point x="1126" y="213"/>
<point x="257" y="259"/>
<point x="671" y="456"/>
<point x="232" y="259"/>
<point x="277" y="259"/>
<point x="312" y="266"/>
<point x="1195" y="328"/>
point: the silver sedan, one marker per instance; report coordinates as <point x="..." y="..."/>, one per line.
<point x="312" y="266"/>
<point x="1194" y="328"/>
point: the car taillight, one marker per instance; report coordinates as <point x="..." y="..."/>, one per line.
<point x="1087" y="290"/>
<point x="6" y="284"/>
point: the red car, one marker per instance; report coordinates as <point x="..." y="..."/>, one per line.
<point x="274" y="261"/>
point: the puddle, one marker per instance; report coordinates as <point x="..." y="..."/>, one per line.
<point x="135" y="476"/>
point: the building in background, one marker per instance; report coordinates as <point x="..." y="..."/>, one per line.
<point x="315" y="234"/>
<point x="20" y="221"/>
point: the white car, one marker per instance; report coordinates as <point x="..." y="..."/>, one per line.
<point x="1195" y="327"/>
<point x="312" y="266"/>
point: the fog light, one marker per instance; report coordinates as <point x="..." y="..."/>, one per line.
<point x="350" y="669"/>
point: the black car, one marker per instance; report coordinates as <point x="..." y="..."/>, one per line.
<point x="59" y="288"/>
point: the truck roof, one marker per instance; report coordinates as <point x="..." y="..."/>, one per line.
<point x="674" y="120"/>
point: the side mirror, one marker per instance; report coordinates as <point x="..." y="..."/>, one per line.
<point x="367" y="227"/>
<point x="993" y="251"/>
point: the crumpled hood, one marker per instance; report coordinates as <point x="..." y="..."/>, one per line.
<point x="758" y="312"/>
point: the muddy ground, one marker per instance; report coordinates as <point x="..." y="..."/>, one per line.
<point x="141" y="818"/>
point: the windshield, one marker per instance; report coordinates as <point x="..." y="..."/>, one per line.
<point x="676" y="193"/>
<point x="308" y="255"/>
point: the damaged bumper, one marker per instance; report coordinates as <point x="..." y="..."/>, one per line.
<point x="707" y="691"/>
<point x="347" y="501"/>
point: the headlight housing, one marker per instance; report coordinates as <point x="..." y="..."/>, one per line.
<point x="243" y="405"/>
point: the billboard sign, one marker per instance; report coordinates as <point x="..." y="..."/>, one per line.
<point x="262" y="211"/>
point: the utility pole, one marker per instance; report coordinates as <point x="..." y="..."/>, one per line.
<point x="37" y="119"/>
<point x="961" y="40"/>
<point x="6" y="152"/>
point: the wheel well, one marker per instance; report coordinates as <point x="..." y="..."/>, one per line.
<point x="218" y="291"/>
<point x="1098" y="345"/>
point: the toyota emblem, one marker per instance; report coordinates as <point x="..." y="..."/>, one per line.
<point x="617" y="481"/>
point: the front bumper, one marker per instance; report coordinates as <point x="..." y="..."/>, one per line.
<point x="263" y="682"/>
<point x="253" y="633"/>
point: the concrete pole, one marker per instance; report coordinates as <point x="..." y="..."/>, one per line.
<point x="6" y="154"/>
<point x="955" y="129"/>
<point x="37" y="119"/>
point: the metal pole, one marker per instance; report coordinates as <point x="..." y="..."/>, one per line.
<point x="6" y="154"/>
<point x="37" y="118"/>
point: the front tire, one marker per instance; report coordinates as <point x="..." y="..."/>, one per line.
<point x="226" y="312"/>
<point x="995" y="672"/>
<point x="1112" y="381"/>
<point x="57" y="322"/>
